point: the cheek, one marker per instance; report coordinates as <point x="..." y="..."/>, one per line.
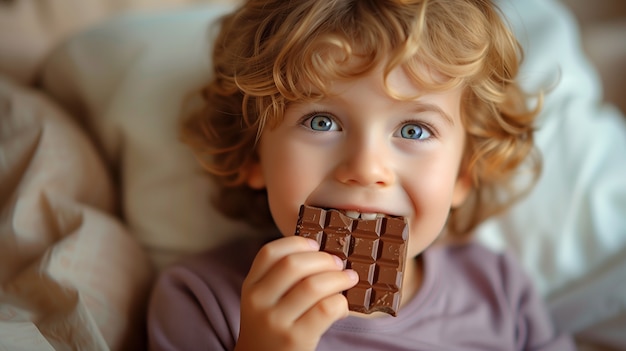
<point x="291" y="174"/>
<point x="432" y="198"/>
<point x="431" y="191"/>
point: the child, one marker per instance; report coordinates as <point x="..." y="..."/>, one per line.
<point x="406" y="108"/>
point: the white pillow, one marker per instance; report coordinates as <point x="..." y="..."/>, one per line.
<point x="126" y="81"/>
<point x="570" y="232"/>
<point x="128" y="78"/>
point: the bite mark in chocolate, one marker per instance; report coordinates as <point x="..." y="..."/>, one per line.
<point x="375" y="249"/>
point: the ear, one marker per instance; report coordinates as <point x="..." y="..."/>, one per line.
<point x="462" y="188"/>
<point x="256" y="180"/>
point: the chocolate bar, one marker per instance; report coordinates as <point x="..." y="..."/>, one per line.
<point x="375" y="249"/>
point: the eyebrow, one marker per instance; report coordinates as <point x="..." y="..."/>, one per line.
<point x="421" y="107"/>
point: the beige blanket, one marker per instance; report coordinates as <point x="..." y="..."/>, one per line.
<point x="71" y="277"/>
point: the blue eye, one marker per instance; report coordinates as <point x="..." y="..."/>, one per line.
<point x="321" y="123"/>
<point x="414" y="131"/>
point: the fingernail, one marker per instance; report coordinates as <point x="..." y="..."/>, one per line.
<point x="313" y="244"/>
<point x="339" y="261"/>
<point x="353" y="275"/>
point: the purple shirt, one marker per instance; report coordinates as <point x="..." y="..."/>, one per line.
<point x="470" y="299"/>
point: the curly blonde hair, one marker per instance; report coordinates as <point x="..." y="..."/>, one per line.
<point x="268" y="51"/>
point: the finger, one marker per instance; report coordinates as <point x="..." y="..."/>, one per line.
<point x="310" y="291"/>
<point x="275" y="250"/>
<point x="322" y="315"/>
<point x="289" y="271"/>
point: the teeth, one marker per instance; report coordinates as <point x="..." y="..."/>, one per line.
<point x="368" y="216"/>
<point x="353" y="214"/>
<point x="357" y="215"/>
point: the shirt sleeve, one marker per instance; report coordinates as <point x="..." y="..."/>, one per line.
<point x="185" y="313"/>
<point x="534" y="327"/>
<point x="195" y="305"/>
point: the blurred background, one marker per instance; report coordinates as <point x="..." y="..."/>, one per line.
<point x="603" y="31"/>
<point x="29" y="29"/>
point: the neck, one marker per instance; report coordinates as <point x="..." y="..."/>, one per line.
<point x="413" y="277"/>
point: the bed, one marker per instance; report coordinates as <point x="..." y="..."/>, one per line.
<point x="98" y="195"/>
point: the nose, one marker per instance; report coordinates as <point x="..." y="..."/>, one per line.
<point x="365" y="163"/>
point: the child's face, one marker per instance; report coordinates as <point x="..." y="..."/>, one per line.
<point x="362" y="150"/>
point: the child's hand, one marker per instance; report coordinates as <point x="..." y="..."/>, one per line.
<point x="291" y="296"/>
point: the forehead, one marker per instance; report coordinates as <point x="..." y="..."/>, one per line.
<point x="392" y="94"/>
<point x="396" y="82"/>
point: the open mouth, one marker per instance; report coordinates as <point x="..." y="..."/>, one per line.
<point x="361" y="215"/>
<point x="358" y="214"/>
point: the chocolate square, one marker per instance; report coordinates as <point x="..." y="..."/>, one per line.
<point x="375" y="249"/>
